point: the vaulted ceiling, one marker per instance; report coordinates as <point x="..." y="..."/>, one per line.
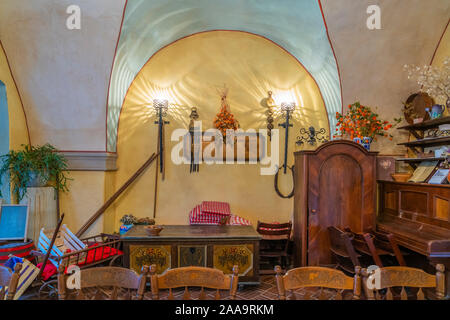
<point x="64" y="75"/>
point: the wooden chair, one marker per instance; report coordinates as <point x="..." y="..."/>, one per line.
<point x="274" y="243"/>
<point x="388" y="243"/>
<point x="379" y="284"/>
<point x="321" y="277"/>
<point x="9" y="279"/>
<point x="341" y="247"/>
<point x="199" y="277"/>
<point x="98" y="278"/>
<point x="364" y="243"/>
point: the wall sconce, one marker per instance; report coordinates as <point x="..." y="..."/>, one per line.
<point x="269" y="104"/>
<point x="161" y="106"/>
<point x="287" y="108"/>
<point x="195" y="148"/>
<point x="311" y="136"/>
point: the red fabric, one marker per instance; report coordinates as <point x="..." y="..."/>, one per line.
<point x="216" y="207"/>
<point x="95" y="254"/>
<point x="49" y="270"/>
<point x="273" y="229"/>
<point x="92" y="256"/>
<point x="197" y="216"/>
<point x="238" y="221"/>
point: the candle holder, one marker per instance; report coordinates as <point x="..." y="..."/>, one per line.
<point x="161" y="107"/>
<point x="287" y="108"/>
<point x="312" y="136"/>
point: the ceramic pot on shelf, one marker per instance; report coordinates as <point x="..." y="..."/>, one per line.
<point x="124" y="228"/>
<point x="436" y="111"/>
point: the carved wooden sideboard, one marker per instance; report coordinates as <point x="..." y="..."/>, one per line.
<point x="335" y="185"/>
<point x="219" y="247"/>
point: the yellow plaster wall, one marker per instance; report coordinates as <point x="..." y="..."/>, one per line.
<point x="88" y="192"/>
<point x="443" y="50"/>
<point x="371" y="61"/>
<point x="18" y="133"/>
<point x="189" y="73"/>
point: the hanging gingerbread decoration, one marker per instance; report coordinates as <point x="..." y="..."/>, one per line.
<point x="225" y="119"/>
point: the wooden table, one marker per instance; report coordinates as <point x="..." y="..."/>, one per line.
<point x="218" y="247"/>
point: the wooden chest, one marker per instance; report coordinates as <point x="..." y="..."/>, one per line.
<point x="218" y="247"/>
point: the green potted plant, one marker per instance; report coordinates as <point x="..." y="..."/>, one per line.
<point x="34" y="166"/>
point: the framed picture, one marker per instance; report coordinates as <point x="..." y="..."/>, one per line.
<point x="13" y="221"/>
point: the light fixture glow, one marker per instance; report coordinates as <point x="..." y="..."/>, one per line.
<point x="160" y="104"/>
<point x="287" y="106"/>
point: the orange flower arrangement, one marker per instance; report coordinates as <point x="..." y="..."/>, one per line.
<point x="360" y="121"/>
<point x="225" y="119"/>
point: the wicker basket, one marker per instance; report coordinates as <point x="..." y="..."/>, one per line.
<point x="153" y="230"/>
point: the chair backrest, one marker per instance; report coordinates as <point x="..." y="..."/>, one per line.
<point x="119" y="279"/>
<point x="9" y="281"/>
<point x="342" y="246"/>
<point x="364" y="242"/>
<point x="43" y="246"/>
<point x="275" y="231"/>
<point x="388" y="242"/>
<point x="199" y="277"/>
<point x="319" y="277"/>
<point x="71" y="241"/>
<point x="405" y="277"/>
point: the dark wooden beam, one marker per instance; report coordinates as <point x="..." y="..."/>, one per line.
<point x="103" y="208"/>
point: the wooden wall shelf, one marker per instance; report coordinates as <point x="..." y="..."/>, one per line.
<point x="418" y="146"/>
<point x="426" y="142"/>
<point x="426" y="124"/>
<point x="420" y="159"/>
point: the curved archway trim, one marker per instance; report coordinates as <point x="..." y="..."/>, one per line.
<point x="209" y="31"/>
<point x="297" y="26"/>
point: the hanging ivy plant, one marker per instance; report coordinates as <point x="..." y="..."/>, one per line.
<point x="43" y="163"/>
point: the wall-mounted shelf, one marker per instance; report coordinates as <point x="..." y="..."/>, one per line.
<point x="427" y="124"/>
<point x="418" y="131"/>
<point x="419" y="159"/>
<point x="429" y="142"/>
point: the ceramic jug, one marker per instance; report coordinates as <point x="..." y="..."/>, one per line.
<point x="436" y="111"/>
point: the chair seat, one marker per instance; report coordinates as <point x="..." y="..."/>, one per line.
<point x="273" y="254"/>
<point x="341" y="252"/>
<point x="380" y="252"/>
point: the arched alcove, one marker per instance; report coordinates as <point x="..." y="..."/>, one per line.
<point x="189" y="73"/>
<point x="149" y="26"/>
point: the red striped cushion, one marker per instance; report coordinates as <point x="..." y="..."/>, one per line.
<point x="239" y="221"/>
<point x="197" y="216"/>
<point x="273" y="229"/>
<point x="216" y="207"/>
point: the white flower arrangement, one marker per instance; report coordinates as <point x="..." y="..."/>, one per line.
<point x="435" y="81"/>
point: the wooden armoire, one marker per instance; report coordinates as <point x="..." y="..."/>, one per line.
<point x="335" y="185"/>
